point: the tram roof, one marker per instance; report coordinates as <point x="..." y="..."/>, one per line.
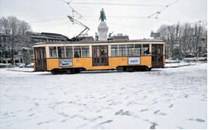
<point x="98" y="42"/>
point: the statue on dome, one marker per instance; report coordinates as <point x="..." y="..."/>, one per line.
<point x="102" y="28"/>
<point x="102" y="15"/>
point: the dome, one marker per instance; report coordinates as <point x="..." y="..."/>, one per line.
<point x="102" y="26"/>
<point x="102" y="30"/>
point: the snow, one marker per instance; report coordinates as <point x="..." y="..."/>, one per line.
<point x="162" y="98"/>
<point x="178" y="64"/>
<point x="21" y="69"/>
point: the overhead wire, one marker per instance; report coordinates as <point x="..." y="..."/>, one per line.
<point x="158" y="12"/>
<point x="72" y="9"/>
<point x="116" y="4"/>
<point x="49" y="20"/>
<point x="154" y="15"/>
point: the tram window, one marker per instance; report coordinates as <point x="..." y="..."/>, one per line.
<point x="114" y="50"/>
<point x="53" y="52"/>
<point x="137" y="49"/>
<point x="61" y="52"/>
<point x="146" y="49"/>
<point x="103" y="51"/>
<point x="69" y="52"/>
<point x="158" y="51"/>
<point x="77" y="52"/>
<point x="85" y="51"/>
<point x="131" y="50"/>
<point x="122" y="50"/>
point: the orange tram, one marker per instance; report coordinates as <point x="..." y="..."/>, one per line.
<point x="74" y="57"/>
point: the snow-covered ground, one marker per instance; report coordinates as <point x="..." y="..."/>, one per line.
<point x="161" y="98"/>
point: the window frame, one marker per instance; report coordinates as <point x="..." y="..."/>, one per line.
<point x="127" y="50"/>
<point x="63" y="52"/>
<point x="143" y="49"/>
<point x="72" y="54"/>
<point x="115" y="50"/>
<point x="56" y="52"/>
<point x="87" y="49"/>
<point x="80" y="49"/>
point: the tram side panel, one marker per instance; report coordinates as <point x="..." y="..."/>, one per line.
<point x="114" y="62"/>
<point x="86" y="63"/>
<point x="82" y="62"/>
<point x="146" y="60"/>
<point x="118" y="61"/>
<point x="52" y="63"/>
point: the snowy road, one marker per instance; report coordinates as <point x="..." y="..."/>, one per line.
<point x="161" y="98"/>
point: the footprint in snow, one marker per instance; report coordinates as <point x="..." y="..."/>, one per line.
<point x="63" y="114"/>
<point x="179" y="127"/>
<point x="102" y="97"/>
<point x="170" y="106"/>
<point x="200" y="120"/>
<point x="162" y="114"/>
<point x="154" y="102"/>
<point x="155" y="112"/>
<point x="98" y="111"/>
<point x="63" y="120"/>
<point x="143" y="110"/>
<point x="44" y="122"/>
<point x="145" y="97"/>
<point x="31" y="114"/>
<point x="60" y="102"/>
<point x="96" y="118"/>
<point x="6" y="114"/>
<point x="29" y="110"/>
<point x="153" y="126"/>
<point x="36" y="104"/>
<point x="122" y="88"/>
<point x="197" y="119"/>
<point x="126" y="97"/>
<point x="105" y="122"/>
<point x="122" y="112"/>
<point x="186" y="96"/>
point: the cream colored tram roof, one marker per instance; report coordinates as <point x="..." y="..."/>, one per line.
<point x="81" y="43"/>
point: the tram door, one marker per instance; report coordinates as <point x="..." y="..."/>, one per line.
<point x="157" y="56"/>
<point x="100" y="55"/>
<point x="40" y="58"/>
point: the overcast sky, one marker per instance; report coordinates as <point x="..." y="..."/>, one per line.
<point x="123" y="16"/>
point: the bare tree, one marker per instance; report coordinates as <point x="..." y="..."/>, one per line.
<point x="4" y="25"/>
<point x="16" y="30"/>
<point x="24" y="27"/>
<point x="183" y="40"/>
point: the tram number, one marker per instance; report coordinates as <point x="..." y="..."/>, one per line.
<point x="65" y="62"/>
<point x="133" y="60"/>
